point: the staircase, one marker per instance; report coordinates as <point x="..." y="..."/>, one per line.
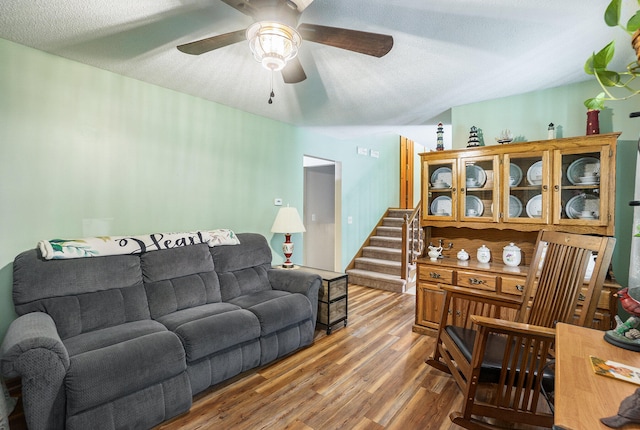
<point x="379" y="262"/>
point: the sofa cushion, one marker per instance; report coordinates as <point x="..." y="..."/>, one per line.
<point x="276" y="310"/>
<point x="176" y="262"/>
<point x="105" y="374"/>
<point x="253" y="250"/>
<point x="84" y="313"/>
<point x="179" y="278"/>
<point x="35" y="278"/>
<point x="172" y="295"/>
<point x="205" y="336"/>
<point x="82" y="294"/>
<point x="242" y="282"/>
<point x="242" y="269"/>
<point x="175" y="319"/>
<point x="110" y="336"/>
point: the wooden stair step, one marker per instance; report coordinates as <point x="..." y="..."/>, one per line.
<point x="386" y="231"/>
<point x="378" y="265"/>
<point x="380" y="252"/>
<point x="384" y="241"/>
<point x="392" y="222"/>
<point x="380" y="281"/>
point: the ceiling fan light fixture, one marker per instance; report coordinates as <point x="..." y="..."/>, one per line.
<point x="273" y="44"/>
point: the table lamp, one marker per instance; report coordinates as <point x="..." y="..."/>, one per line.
<point x="287" y="221"/>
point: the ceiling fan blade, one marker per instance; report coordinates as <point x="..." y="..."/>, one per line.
<point x="293" y="72"/>
<point x="209" y="44"/>
<point x="373" y="44"/>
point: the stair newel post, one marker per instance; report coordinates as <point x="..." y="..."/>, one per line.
<point x="404" y="272"/>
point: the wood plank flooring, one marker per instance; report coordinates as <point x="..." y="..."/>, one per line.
<point x="368" y="375"/>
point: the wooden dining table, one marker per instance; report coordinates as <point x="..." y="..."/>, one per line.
<point x="581" y="396"/>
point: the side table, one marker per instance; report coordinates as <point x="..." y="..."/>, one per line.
<point x="332" y="297"/>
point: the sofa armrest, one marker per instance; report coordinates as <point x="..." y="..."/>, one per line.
<point x="33" y="350"/>
<point x="297" y="281"/>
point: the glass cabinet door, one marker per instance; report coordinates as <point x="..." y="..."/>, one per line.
<point x="579" y="178"/>
<point x="439" y="195"/>
<point x="526" y="188"/>
<point x="479" y="179"/>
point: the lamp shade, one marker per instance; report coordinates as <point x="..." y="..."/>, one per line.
<point x="288" y="221"/>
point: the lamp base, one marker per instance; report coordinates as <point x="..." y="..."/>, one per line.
<point x="287" y="250"/>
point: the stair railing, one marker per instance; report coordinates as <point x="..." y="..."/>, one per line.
<point x="411" y="240"/>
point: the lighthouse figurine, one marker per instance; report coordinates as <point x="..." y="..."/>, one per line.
<point x="440" y="142"/>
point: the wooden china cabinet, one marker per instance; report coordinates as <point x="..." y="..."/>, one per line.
<point x="502" y="194"/>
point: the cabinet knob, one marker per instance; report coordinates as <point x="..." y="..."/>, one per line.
<point x="434" y="275"/>
<point x="520" y="288"/>
<point x="556" y="188"/>
<point x="581" y="297"/>
<point x="545" y="187"/>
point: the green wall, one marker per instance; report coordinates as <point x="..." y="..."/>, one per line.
<point x="81" y="147"/>
<point x="528" y="115"/>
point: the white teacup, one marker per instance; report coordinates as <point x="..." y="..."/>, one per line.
<point x="471" y="182"/>
<point x="472" y="212"/>
<point x="442" y="211"/>
<point x="586" y="214"/>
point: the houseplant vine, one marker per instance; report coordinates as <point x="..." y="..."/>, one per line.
<point x="597" y="65"/>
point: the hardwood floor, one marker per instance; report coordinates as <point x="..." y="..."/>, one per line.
<point x="368" y="375"/>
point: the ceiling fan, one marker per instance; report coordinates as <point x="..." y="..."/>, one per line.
<point x="275" y="36"/>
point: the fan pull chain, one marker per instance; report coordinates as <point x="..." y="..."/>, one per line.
<point x="272" y="95"/>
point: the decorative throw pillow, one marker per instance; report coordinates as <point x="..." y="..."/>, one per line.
<point x="222" y="236"/>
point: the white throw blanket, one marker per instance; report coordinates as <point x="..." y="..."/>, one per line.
<point x="113" y="245"/>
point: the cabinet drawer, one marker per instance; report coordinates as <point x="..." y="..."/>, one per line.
<point x="436" y="274"/>
<point x="512" y="285"/>
<point x="328" y="313"/>
<point x="476" y="280"/>
<point x="333" y="289"/>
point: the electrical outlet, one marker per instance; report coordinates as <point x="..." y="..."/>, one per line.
<point x="362" y="151"/>
<point x="277" y="202"/>
<point x="375" y="154"/>
<point x="349" y="220"/>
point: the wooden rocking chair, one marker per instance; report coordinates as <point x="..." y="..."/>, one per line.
<point x="507" y="358"/>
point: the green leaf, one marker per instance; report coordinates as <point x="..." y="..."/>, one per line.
<point x="604" y="56"/>
<point x="634" y="22"/>
<point x="595" y="103"/>
<point x="608" y="78"/>
<point x="588" y="66"/>
<point x="612" y="14"/>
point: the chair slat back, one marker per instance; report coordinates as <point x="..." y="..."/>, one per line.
<point x="557" y="278"/>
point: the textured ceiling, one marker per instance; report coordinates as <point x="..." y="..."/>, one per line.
<point x="446" y="52"/>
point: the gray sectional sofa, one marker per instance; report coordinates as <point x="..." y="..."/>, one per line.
<point x="125" y="341"/>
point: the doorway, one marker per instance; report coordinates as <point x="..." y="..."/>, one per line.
<point x="321" y="213"/>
